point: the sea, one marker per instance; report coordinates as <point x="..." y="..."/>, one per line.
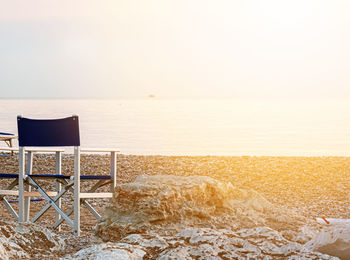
<point x="240" y="126"/>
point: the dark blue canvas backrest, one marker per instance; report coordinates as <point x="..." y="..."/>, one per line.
<point x="48" y="132"/>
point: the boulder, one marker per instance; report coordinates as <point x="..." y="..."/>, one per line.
<point x="172" y="217"/>
<point x="120" y="251"/>
<point x="26" y="241"/>
<point x="171" y="202"/>
<point x="333" y="240"/>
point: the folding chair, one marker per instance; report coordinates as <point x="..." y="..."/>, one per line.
<point x="55" y="133"/>
<point x="10" y="189"/>
<point x="7" y="138"/>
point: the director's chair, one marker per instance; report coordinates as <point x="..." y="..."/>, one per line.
<point x="11" y="190"/>
<point x="57" y="133"/>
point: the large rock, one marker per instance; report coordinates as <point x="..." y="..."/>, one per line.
<point x="173" y="217"/>
<point x="27" y="241"/>
<point x="332" y="240"/>
<point x="120" y="251"/>
<point x="172" y="202"/>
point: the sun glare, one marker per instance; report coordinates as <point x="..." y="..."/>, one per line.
<point x="292" y="15"/>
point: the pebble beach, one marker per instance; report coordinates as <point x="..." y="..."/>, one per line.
<point x="306" y="187"/>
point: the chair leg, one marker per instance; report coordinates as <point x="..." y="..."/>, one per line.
<point x="21" y="184"/>
<point x="76" y="202"/>
<point x="58" y="185"/>
<point x="58" y="202"/>
<point x="29" y="188"/>
<point x="113" y="170"/>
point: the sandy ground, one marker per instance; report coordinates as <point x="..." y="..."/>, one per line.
<point x="312" y="186"/>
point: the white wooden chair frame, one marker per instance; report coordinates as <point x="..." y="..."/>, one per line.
<point x="74" y="183"/>
<point x="9" y="191"/>
<point x="26" y="182"/>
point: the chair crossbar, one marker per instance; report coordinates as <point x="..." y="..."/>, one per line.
<point x="57" y="176"/>
<point x="10" y="208"/>
<point x="25" y="193"/>
<point x="12" y="184"/>
<point x="32" y="200"/>
<point x="99" y="184"/>
<point x="55" y="199"/>
<point x="91" y="209"/>
<point x="102" y="181"/>
<point x="6" y="202"/>
<point x="95" y="195"/>
<point x="82" y="177"/>
<point x="71" y="210"/>
<point x="51" y="201"/>
<point x="50" y="176"/>
<point x="95" y="177"/>
<point x="8" y="176"/>
<point x="60" y="221"/>
<point x="65" y="188"/>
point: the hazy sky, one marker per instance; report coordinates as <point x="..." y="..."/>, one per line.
<point x="174" y="48"/>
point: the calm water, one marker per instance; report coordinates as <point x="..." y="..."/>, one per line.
<point x="200" y="127"/>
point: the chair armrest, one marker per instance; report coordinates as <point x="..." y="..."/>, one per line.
<point x="99" y="150"/>
<point x="9" y="136"/>
<point x="44" y="150"/>
<point x="9" y="149"/>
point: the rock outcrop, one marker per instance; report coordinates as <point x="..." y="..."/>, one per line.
<point x="202" y="243"/>
<point x="120" y="251"/>
<point x="27" y="241"/>
<point x="332" y="240"/>
<point x="194" y="217"/>
<point x="172" y="202"/>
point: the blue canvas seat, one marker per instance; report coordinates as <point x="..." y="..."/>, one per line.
<point x="33" y="135"/>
